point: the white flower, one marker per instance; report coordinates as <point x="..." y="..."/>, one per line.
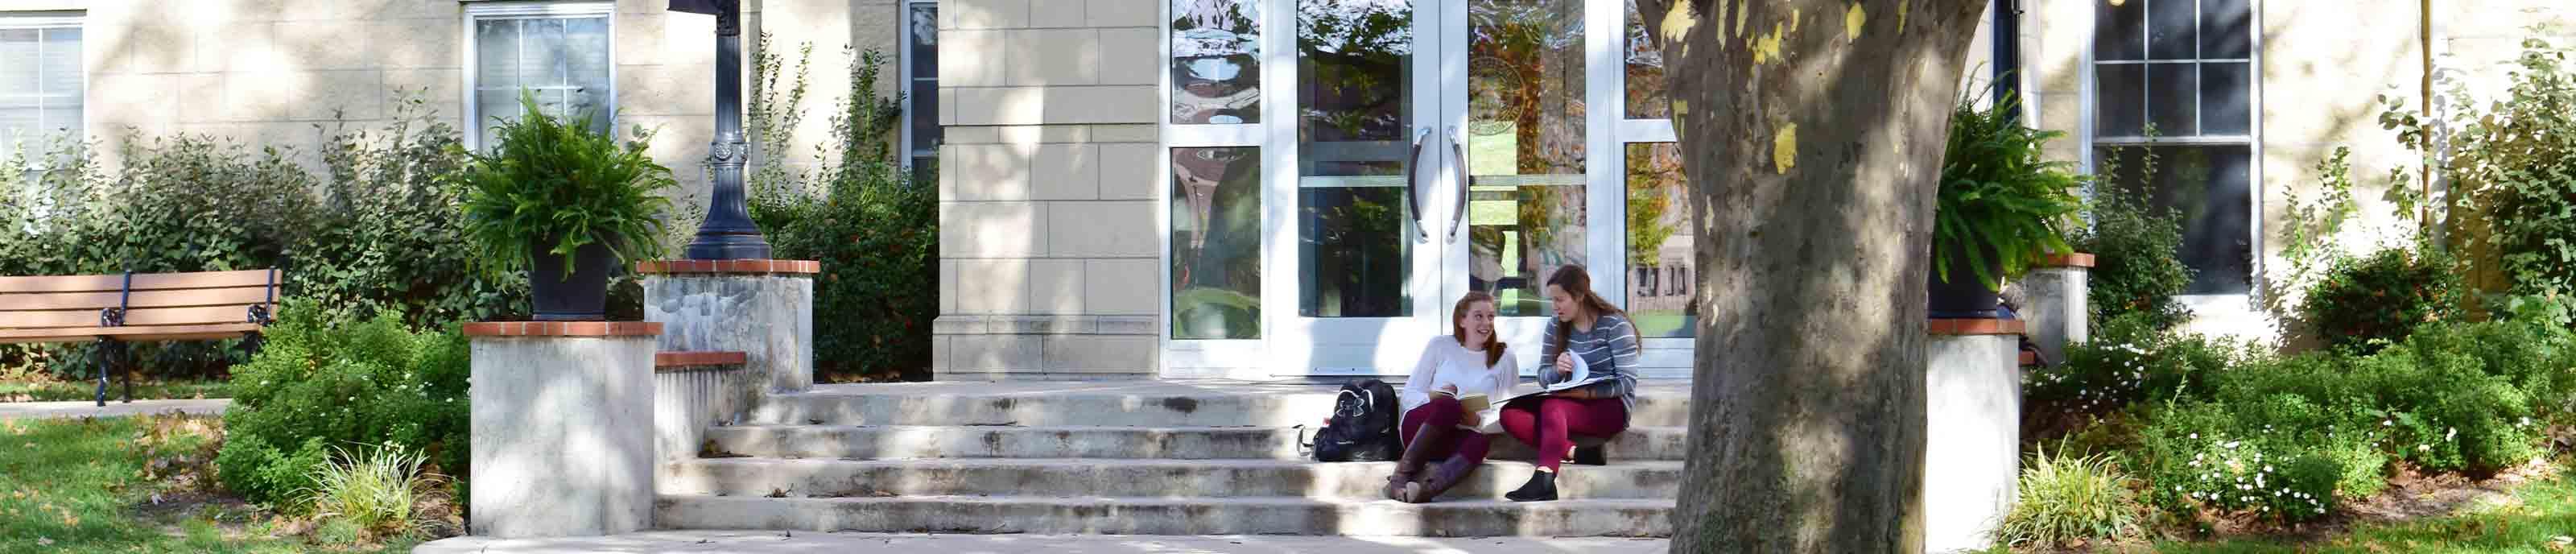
<point x="2231" y="445"/>
<point x="2387" y="422"/>
<point x="2267" y="468"/>
<point x="2195" y="435"/>
<point x="2423" y="448"/>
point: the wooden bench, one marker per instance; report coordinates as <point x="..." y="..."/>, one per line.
<point x="135" y="307"/>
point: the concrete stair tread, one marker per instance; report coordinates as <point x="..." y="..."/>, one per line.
<point x="1094" y="441"/>
<point x="1211" y="501"/>
<point x="1256" y="463"/>
<point x="1113" y="477"/>
<point x="1144" y="403"/>
<point x="1113" y="515"/>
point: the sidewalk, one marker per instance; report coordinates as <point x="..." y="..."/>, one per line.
<point x="764" y="542"/>
<point x="49" y="410"/>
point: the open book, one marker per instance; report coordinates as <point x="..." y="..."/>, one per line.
<point x="1484" y="413"/>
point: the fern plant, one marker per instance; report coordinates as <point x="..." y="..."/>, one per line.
<point x="2000" y="197"/>
<point x="556" y="182"/>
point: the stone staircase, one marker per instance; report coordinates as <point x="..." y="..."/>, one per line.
<point x="1154" y="458"/>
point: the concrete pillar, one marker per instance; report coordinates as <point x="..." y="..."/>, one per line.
<point x="761" y="308"/>
<point x="1972" y="380"/>
<point x="2057" y="303"/>
<point x="562" y="428"/>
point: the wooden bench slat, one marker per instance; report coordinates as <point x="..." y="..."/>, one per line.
<point x="140" y="299"/>
<point x="39" y="319"/>
<point x="148" y="332"/>
<point x="142" y="281"/>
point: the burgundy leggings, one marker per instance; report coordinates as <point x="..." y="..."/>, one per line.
<point x="1446" y="412"/>
<point x="1548" y="423"/>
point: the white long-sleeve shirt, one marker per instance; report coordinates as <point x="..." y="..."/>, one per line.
<point x="1445" y="363"/>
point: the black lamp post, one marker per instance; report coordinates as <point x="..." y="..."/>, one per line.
<point x="727" y="233"/>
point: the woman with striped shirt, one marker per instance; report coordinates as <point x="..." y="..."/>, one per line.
<point x="1589" y="333"/>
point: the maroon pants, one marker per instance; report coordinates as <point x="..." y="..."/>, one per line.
<point x="1548" y="423"/>
<point x="1446" y="412"/>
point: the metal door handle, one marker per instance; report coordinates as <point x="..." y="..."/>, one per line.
<point x="1412" y="189"/>
<point x="1457" y="145"/>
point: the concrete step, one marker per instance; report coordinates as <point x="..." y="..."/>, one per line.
<point x="756" y="477"/>
<point x="1169" y="516"/>
<point x="1136" y="404"/>
<point x="1084" y="441"/>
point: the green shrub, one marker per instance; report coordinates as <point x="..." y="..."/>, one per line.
<point x="2136" y="248"/>
<point x="326" y="382"/>
<point x="2127" y="361"/>
<point x="2369" y="302"/>
<point x="378" y="230"/>
<point x="877" y="236"/>
<point x="2515" y="162"/>
<point x="2199" y="455"/>
<point x="2064" y="498"/>
<point x="1999" y="191"/>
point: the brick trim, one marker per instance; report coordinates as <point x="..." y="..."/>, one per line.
<point x="670" y="361"/>
<point x="1975" y="327"/>
<point x="2065" y="260"/>
<point x="665" y="267"/>
<point x="563" y="329"/>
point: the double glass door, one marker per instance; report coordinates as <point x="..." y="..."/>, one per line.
<point x="1440" y="147"/>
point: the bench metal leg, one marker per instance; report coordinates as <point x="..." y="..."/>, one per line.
<point x="100" y="354"/>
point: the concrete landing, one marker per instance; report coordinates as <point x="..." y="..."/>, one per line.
<point x="773" y="542"/>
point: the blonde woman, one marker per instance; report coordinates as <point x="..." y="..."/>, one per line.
<point x="1468" y="363"/>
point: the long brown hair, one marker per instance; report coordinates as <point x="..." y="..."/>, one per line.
<point x="1576" y="282"/>
<point x="1458" y="327"/>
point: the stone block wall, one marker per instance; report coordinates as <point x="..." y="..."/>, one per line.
<point x="1048" y="225"/>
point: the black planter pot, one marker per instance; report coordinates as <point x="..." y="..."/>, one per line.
<point x="580" y="296"/>
<point x="1964" y="296"/>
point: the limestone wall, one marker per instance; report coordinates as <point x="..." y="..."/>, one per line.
<point x="1048" y="227"/>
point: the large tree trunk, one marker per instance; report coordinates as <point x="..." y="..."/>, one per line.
<point x="1813" y="132"/>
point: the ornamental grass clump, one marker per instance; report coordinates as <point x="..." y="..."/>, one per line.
<point x="373" y="489"/>
<point x="2066" y="498"/>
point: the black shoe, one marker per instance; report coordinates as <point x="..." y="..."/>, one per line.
<point x="1541" y="487"/>
<point x="1590" y="456"/>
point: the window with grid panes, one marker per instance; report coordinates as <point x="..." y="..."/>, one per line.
<point x="2173" y="112"/>
<point x="40" y="85"/>
<point x="560" y="52"/>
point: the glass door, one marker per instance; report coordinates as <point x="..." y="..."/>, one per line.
<point x="1440" y="147"/>
<point x="1360" y="193"/>
<point x="1518" y="96"/>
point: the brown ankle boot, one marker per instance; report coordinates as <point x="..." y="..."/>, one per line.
<point x="1448" y="474"/>
<point x="1416" y="454"/>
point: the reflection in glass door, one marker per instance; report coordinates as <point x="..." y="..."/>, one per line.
<point x="1524" y="146"/>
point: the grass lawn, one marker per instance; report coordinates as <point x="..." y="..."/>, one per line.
<point x="2539" y="518"/>
<point x="91" y="486"/>
<point x="47" y="390"/>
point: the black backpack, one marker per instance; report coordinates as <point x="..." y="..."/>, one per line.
<point x="1362" y="428"/>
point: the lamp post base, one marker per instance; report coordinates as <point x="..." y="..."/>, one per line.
<point x="728" y="246"/>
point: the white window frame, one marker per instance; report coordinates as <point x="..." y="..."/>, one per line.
<point x="903" y="71"/>
<point x="483" y="11"/>
<point x="55" y="20"/>
<point x="1220" y="357"/>
<point x="2231" y="311"/>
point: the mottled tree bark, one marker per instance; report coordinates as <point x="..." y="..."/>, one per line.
<point x="1812" y="133"/>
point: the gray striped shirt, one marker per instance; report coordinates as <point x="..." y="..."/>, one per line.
<point x="1609" y="348"/>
